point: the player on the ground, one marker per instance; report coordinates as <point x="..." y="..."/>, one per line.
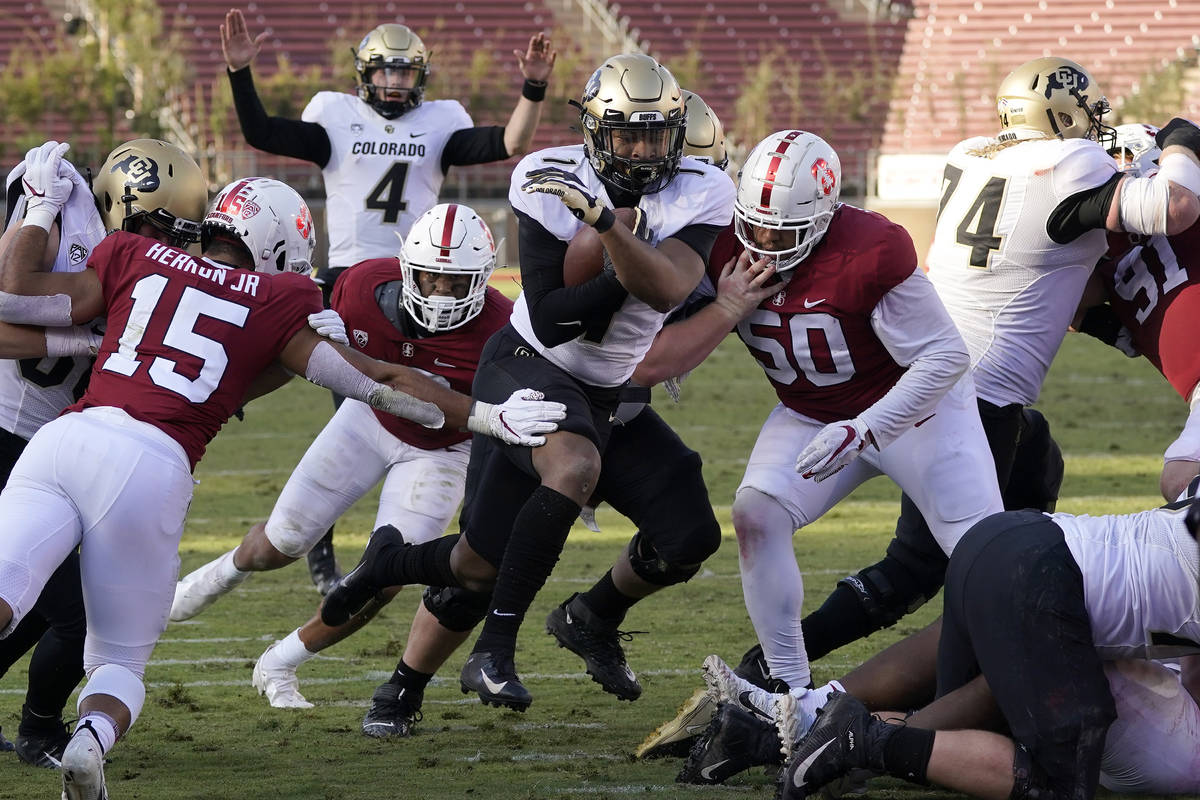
<point x="1034" y="604"/>
<point x="578" y="344"/>
<point x="185" y="342"/>
<point x="383" y="151"/>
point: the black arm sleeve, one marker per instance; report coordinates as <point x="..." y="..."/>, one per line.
<point x="560" y="314"/>
<point x="1082" y="212"/>
<point x="700" y="238"/>
<point x="283" y="137"/>
<point x="474" y="146"/>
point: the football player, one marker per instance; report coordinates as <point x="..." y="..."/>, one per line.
<point x="35" y="390"/>
<point x="431" y="309"/>
<point x="1140" y="300"/>
<point x="1034" y="605"/>
<point x="383" y="151"/>
<point x="578" y="344"/>
<point x="87" y="478"/>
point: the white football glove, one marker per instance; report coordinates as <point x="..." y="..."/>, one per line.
<point x="47" y="184"/>
<point x="76" y="340"/>
<point x="518" y="420"/>
<point x="575" y="195"/>
<point x="329" y="324"/>
<point x="834" y="446"/>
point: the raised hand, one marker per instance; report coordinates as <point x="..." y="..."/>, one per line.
<point x="46" y="182"/>
<point x="236" y="45"/>
<point x="538" y="59"/>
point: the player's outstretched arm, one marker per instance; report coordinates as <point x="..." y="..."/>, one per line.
<point x="236" y="45"/>
<point x="681" y="346"/>
<point x="1165" y="203"/>
<point x="35" y="341"/>
<point x="27" y="294"/>
<point x="535" y="64"/>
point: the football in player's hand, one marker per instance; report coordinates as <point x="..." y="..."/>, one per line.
<point x="585" y="254"/>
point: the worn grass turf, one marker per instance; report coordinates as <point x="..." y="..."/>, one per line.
<point x="205" y="734"/>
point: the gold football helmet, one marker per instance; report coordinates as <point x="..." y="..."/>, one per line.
<point x="705" y="136"/>
<point x="633" y="123"/>
<point x="154" y="181"/>
<point x="391" y="46"/>
<point x="1052" y="97"/>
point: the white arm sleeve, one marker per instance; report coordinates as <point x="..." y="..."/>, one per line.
<point x="914" y="326"/>
<point x="50" y="309"/>
<point x="1143" y="204"/>
<point x="327" y="368"/>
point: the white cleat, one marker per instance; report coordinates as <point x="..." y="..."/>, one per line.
<point x="83" y="767"/>
<point x="726" y="687"/>
<point x="201" y="588"/>
<point x="277" y="682"/>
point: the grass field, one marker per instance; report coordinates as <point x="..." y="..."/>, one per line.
<point x="205" y="734"/>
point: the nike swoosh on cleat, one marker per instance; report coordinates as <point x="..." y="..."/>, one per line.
<point x="798" y="776"/>
<point x="744" y="702"/>
<point x="695" y="730"/>
<point x="706" y="773"/>
<point x="492" y="686"/>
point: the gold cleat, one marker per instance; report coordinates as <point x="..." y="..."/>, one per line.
<point x="676" y="736"/>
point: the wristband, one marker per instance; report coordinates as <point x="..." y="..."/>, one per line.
<point x="534" y="91"/>
<point x="605" y="221"/>
<point x="41" y="216"/>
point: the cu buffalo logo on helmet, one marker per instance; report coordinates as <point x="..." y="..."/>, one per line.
<point x="1066" y="78"/>
<point x="141" y="172"/>
<point x="823" y="174"/>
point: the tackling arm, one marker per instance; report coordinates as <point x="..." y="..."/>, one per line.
<point x="30" y="296"/>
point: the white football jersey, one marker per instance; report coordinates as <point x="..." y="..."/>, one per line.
<point x="34" y="391"/>
<point x="382" y="173"/>
<point x="699" y="195"/>
<point x="1139" y="581"/>
<point x="1009" y="287"/>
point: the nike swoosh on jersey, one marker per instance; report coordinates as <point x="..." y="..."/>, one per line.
<point x="798" y="779"/>
<point x="572" y="322"/>
<point x="412" y="135"/>
<point x="492" y="686"/>
<point x="706" y="773"/>
<point x="441" y="363"/>
<point x="814" y="303"/>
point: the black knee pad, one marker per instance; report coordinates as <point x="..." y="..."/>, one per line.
<point x="456" y="609"/>
<point x="652" y="568"/>
<point x="889" y="591"/>
<point x="1037" y="471"/>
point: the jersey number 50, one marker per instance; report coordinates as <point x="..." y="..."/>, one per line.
<point x="800" y="333"/>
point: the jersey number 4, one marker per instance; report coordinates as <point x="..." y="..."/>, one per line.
<point x="982" y="215"/>
<point x="388" y="194"/>
<point x="180" y="336"/>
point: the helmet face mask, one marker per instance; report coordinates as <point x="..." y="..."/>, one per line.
<point x="152" y="181"/>
<point x="634" y="122"/>
<point x="448" y="240"/>
<point x="391" y="47"/>
<point x="787" y="194"/>
<point x="1135" y="148"/>
<point x="1052" y="97"/>
<point x="270" y="220"/>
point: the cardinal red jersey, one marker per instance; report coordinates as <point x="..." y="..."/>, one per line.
<point x="451" y="356"/>
<point x="186" y="336"/>
<point x="726" y="248"/>
<point x="814" y="337"/>
<point x="1154" y="288"/>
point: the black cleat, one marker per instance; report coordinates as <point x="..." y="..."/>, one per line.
<point x="598" y="643"/>
<point x="845" y="737"/>
<point x="352" y="593"/>
<point x="494" y="677"/>
<point x="393" y="713"/>
<point x="755" y="670"/>
<point x="41" y="740"/>
<point x="322" y="566"/>
<point x="735" y="740"/>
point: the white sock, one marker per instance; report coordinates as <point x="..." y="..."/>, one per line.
<point x="104" y="726"/>
<point x="291" y="652"/>
<point x="810" y="700"/>
<point x="227" y="573"/>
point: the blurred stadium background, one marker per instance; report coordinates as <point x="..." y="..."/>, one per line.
<point x="891" y="84"/>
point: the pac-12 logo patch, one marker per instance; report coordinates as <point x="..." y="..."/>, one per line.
<point x="360" y="337"/>
<point x="77" y="254"/>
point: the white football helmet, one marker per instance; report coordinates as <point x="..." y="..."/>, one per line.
<point x="1136" y="149"/>
<point x="450" y="239"/>
<point x="270" y="219"/>
<point x="790" y="183"/>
